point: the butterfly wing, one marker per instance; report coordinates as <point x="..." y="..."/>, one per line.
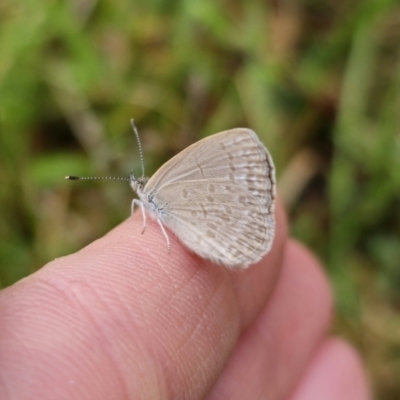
<point x="218" y="197"/>
<point x="218" y="220"/>
<point x="235" y="156"/>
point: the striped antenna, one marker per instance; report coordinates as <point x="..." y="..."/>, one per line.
<point x="108" y="178"/>
<point x="116" y="178"/>
<point x="139" y="145"/>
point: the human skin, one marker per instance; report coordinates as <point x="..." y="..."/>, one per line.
<point x="124" y="319"/>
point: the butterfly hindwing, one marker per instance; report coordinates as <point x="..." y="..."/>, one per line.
<point x="217" y="220"/>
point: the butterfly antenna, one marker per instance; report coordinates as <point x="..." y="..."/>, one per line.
<point x="139" y="144"/>
<point x="108" y="178"/>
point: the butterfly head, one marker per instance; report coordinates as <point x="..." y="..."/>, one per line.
<point x="137" y="184"/>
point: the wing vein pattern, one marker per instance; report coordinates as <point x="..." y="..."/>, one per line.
<point x="218" y="197"/>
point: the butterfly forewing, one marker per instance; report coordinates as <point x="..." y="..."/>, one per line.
<point x="234" y="155"/>
<point x="218" y="197"/>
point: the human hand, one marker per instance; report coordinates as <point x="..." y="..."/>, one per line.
<point x="123" y="319"/>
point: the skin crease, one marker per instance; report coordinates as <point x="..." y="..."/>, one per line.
<point x="123" y="319"/>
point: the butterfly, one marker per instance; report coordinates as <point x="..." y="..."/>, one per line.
<point x="217" y="196"/>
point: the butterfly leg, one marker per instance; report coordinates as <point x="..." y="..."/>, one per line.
<point x="139" y="203"/>
<point x="165" y="234"/>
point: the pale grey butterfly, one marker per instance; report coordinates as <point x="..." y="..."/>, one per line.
<point x="217" y="196"/>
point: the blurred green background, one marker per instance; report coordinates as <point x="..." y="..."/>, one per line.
<point x="318" y="80"/>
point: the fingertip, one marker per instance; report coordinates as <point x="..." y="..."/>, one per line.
<point x="335" y="372"/>
<point x="122" y="301"/>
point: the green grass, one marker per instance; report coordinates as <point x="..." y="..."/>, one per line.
<point x="319" y="81"/>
